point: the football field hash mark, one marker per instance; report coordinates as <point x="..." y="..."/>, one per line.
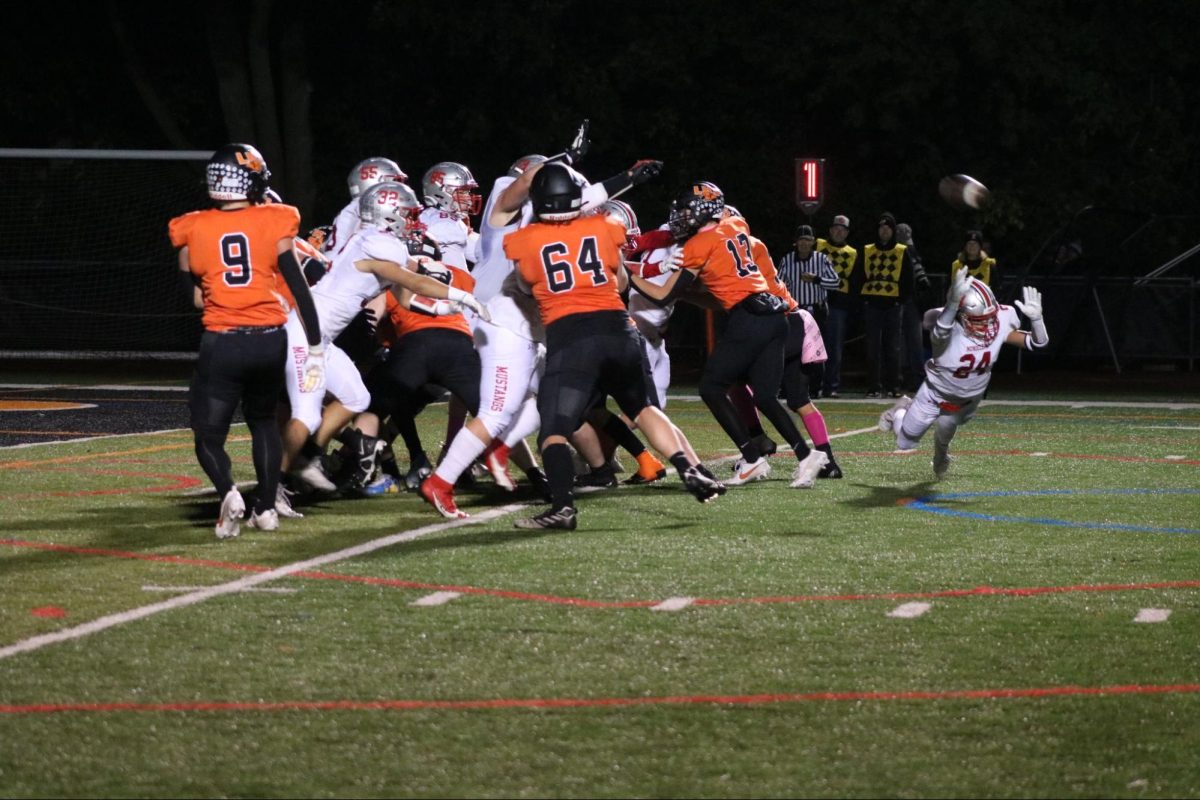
<point x="910" y="610"/>
<point x="436" y="599"/>
<point x="1152" y="615"/>
<point x="673" y="604"/>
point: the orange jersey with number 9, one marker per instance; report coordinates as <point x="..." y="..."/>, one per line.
<point x="571" y="266"/>
<point x="724" y="259"/>
<point x="234" y="255"/>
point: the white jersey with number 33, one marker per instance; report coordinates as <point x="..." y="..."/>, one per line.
<point x="962" y="366"/>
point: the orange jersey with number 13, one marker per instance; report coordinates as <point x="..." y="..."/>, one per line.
<point x="724" y="258"/>
<point x="234" y="255"/>
<point x="572" y="266"/>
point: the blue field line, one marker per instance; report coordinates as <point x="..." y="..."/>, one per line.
<point x="929" y="504"/>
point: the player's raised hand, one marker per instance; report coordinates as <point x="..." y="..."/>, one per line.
<point x="1031" y="306"/>
<point x="644" y="170"/>
<point x="579" y="145"/>
<point x="958" y="287"/>
<point x="314" y="369"/>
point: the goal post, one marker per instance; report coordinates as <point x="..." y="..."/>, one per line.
<point x="86" y="267"/>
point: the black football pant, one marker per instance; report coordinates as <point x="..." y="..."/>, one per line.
<point x="245" y="368"/>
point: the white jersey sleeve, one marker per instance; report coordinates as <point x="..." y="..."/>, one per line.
<point x="961" y="367"/>
<point x="344" y="227"/>
<point x="340" y="295"/>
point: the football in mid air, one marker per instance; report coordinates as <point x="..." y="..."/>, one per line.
<point x="963" y="191"/>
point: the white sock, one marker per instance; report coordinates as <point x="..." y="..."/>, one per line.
<point x="463" y="450"/>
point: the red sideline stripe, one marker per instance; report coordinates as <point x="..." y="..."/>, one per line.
<point x="978" y="591"/>
<point x="607" y="702"/>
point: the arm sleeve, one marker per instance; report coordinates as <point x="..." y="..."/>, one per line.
<point x="294" y="278"/>
<point x="825" y="273"/>
<point x="682" y="284"/>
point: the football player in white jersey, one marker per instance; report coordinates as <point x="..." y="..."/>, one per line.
<point x="966" y="338"/>
<point x="374" y="260"/>
<point x="510" y="345"/>
<point x="366" y="173"/>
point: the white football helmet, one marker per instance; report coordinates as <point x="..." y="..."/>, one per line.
<point x="979" y="312"/>
<point x="371" y="171"/>
<point x="393" y="206"/>
<point x="450" y="187"/>
<point x="523" y="163"/>
<point x="623" y="213"/>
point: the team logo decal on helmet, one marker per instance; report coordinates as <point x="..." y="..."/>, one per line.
<point x="695" y="207"/>
<point x="450" y="187"/>
<point x="393" y="206"/>
<point x="371" y="171"/>
<point x="979" y="312"/>
<point x="522" y="165"/>
<point x="237" y="172"/>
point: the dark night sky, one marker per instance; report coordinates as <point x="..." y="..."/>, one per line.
<point x="1055" y="105"/>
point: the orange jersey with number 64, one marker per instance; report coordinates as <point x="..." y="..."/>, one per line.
<point x="571" y="266"/>
<point x="234" y="255"/>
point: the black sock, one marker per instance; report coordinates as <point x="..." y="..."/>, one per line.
<point x="756" y="430"/>
<point x="560" y="473"/>
<point x="827" y="450"/>
<point x="680" y="462"/>
<point x="310" y="450"/>
<point x="624" y="436"/>
<point x="801" y="449"/>
<point x="750" y="452"/>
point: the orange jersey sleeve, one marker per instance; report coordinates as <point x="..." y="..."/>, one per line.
<point x="233" y="253"/>
<point x="571" y="266"/>
<point x="724" y="259"/>
<point x="766" y="265"/>
<point x="406" y="322"/>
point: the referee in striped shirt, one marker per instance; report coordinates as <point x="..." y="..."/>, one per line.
<point x="808" y="275"/>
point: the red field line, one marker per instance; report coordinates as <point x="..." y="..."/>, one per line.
<point x="580" y="602"/>
<point x="607" y="702"/>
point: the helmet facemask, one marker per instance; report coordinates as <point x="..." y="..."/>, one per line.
<point x="700" y="204"/>
<point x="450" y="187"/>
<point x="979" y="312"/>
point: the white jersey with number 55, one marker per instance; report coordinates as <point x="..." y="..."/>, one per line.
<point x="961" y="365"/>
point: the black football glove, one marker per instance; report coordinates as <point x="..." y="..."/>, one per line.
<point x="579" y="146"/>
<point x="644" y="170"/>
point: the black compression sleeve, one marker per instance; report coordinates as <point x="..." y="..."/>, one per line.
<point x="617" y="183"/>
<point x="304" y="302"/>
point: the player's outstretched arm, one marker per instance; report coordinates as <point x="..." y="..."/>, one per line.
<point x="293" y="276"/>
<point x="1031" y="307"/>
<point x="406" y="277"/>
<point x="959" y="285"/>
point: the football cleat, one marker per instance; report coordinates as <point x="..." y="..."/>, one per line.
<point x="941" y="460"/>
<point x="601" y="477"/>
<point x="537" y="479"/>
<point x="650" y="469"/>
<point x="563" y="519"/>
<point x="804" y="476"/>
<point x="418" y="470"/>
<point x="283" y="504"/>
<point x="233" y="508"/>
<point x="702" y="487"/>
<point x="497" y="465"/>
<point x="384" y="484"/>
<point x="266" y="521"/>
<point x="439" y="494"/>
<point x="830" y="470"/>
<point x="888" y="418"/>
<point x="745" y="473"/>
<point x="313" y="475"/>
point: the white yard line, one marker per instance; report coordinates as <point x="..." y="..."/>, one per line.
<point x="241" y="584"/>
<point x="673" y="604"/>
<point x="909" y="610"/>
<point x="150" y="587"/>
<point x="436" y="599"/>
<point x="886" y="402"/>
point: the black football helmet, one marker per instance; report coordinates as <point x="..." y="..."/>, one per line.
<point x="237" y="172"/>
<point x="556" y="193"/>
<point x="693" y="208"/>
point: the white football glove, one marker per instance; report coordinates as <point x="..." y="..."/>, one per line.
<point x="958" y="287"/>
<point x="1031" y="307"/>
<point x="673" y="260"/>
<point x="314" y="369"/>
<point x="468" y="300"/>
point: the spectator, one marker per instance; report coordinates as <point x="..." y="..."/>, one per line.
<point x="842" y="301"/>
<point x="885" y="284"/>
<point x="912" y="337"/>
<point x="978" y="263"/>
<point x="808" y="276"/>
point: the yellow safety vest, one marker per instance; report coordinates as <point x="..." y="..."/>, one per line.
<point x="881" y="270"/>
<point x="843" y="260"/>
<point x="982" y="270"/>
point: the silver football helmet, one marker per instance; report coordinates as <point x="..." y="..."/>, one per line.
<point x="371" y="171"/>
<point x="979" y="312"/>
<point x="392" y="206"/>
<point x="450" y="187"/>
<point x="523" y="163"/>
<point x="623" y="213"/>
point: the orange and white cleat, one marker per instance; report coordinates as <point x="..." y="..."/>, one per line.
<point x="650" y="469"/>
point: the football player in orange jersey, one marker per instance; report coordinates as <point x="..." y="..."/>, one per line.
<point x="240" y="255"/>
<point x="573" y="266"/>
<point x="718" y="252"/>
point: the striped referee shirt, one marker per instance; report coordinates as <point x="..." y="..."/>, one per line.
<point x="807" y="293"/>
